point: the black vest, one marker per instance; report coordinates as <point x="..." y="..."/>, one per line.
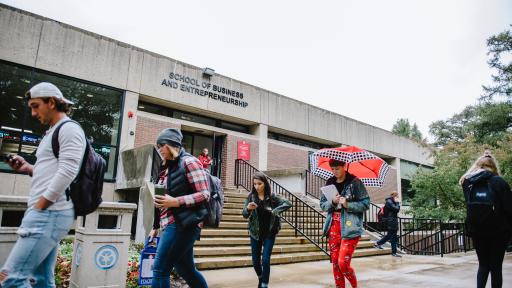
<point x="178" y="185"/>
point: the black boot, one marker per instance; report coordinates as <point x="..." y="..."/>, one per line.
<point x="259" y="281"/>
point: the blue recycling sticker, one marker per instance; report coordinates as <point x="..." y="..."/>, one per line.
<point x="106" y="257"/>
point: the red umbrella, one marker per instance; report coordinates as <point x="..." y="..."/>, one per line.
<point x="366" y="166"/>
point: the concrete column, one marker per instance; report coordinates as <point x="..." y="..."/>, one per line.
<point x="261" y="130"/>
<point x="127" y="140"/>
<point x="395" y="163"/>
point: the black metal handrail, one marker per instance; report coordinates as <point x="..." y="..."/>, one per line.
<point x="422" y="236"/>
<point x="304" y="218"/>
<point x="313" y="184"/>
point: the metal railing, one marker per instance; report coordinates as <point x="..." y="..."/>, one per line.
<point x="313" y="184"/>
<point x="423" y="236"/>
<point x="304" y="219"/>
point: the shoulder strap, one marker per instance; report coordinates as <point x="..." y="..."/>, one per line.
<point x="55" y="138"/>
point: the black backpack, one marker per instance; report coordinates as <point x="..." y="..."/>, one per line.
<point x="86" y="189"/>
<point x="215" y="204"/>
<point x="480" y="207"/>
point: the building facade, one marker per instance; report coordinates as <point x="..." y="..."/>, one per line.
<point x="125" y="96"/>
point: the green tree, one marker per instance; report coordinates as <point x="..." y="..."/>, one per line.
<point x="404" y="128"/>
<point x="500" y="50"/>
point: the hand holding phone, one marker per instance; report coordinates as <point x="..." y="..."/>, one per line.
<point x="252" y="206"/>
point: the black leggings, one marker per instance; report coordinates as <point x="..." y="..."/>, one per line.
<point x="490" y="251"/>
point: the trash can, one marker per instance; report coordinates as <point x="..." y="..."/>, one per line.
<point x="100" y="249"/>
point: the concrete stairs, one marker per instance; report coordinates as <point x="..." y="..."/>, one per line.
<point x="229" y="245"/>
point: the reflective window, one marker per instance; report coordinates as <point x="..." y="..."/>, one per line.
<point x="97" y="109"/>
<point x="165" y="111"/>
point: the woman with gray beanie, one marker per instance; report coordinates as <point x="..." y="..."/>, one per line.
<point x="180" y="211"/>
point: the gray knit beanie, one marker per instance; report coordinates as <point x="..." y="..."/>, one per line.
<point x="170" y="136"/>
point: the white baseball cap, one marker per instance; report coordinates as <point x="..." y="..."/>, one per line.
<point x="46" y="89"/>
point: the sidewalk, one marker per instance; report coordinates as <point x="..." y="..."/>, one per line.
<point x="379" y="271"/>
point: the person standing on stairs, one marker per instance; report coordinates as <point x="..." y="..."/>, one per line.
<point x="391" y="209"/>
<point x="344" y="222"/>
<point x="263" y="209"/>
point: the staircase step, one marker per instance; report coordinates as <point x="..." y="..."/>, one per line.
<point x="233" y="241"/>
<point x="235" y="195"/>
<point x="238" y="232"/>
<point x="234" y="200"/>
<point x="246" y="250"/>
<point x="224" y="262"/>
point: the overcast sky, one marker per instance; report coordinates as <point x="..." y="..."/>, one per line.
<point x="374" y="61"/>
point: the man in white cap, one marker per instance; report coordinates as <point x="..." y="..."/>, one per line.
<point x="49" y="215"/>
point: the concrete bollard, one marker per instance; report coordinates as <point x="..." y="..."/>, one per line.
<point x="100" y="252"/>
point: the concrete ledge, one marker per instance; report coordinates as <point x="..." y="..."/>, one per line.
<point x="285" y="172"/>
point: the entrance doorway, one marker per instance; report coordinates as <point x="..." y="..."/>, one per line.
<point x="194" y="143"/>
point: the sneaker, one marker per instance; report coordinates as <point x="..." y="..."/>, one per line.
<point x="375" y="245"/>
<point x="396" y="255"/>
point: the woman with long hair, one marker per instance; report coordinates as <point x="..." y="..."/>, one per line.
<point x="263" y="209"/>
<point x="489" y="217"/>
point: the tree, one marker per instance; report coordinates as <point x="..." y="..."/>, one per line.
<point x="462" y="138"/>
<point x="500" y="49"/>
<point x="403" y="127"/>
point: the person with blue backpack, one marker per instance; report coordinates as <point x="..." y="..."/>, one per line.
<point x="180" y="211"/>
<point x="49" y="215"/>
<point x="488" y="217"/>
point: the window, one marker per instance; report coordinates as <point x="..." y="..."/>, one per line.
<point x="296" y="141"/>
<point x="187" y="116"/>
<point x="97" y="109"/>
<point x="407" y="192"/>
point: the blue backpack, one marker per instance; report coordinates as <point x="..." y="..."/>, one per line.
<point x="86" y="189"/>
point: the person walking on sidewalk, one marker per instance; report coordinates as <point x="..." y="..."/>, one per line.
<point x="180" y="212"/>
<point x="489" y="217"/>
<point x="50" y="215"/>
<point x="391" y="209"/>
<point x="263" y="209"/>
<point x="344" y="222"/>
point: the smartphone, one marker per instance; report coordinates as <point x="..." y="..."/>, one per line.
<point x="5" y="158"/>
<point x="159" y="189"/>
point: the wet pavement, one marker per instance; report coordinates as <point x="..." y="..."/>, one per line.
<point x="379" y="271"/>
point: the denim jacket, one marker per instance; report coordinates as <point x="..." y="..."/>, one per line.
<point x="278" y="205"/>
<point x="351" y="217"/>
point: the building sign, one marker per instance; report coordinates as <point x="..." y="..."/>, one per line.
<point x="205" y="89"/>
<point x="244" y="150"/>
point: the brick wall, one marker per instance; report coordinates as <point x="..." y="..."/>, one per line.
<point x="147" y="129"/>
<point x="285" y="156"/>
<point x="378" y="195"/>
<point x="229" y="154"/>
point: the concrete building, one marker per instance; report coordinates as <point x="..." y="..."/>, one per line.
<point x="126" y="95"/>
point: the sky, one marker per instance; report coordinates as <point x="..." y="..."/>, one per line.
<point x="371" y="60"/>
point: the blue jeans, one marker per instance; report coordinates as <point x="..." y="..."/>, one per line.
<point x="262" y="264"/>
<point x="175" y="250"/>
<point x="393" y="239"/>
<point x="34" y="255"/>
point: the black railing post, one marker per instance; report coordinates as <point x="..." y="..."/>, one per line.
<point x="442" y="236"/>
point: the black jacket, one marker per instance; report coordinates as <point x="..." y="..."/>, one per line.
<point x="391" y="213"/>
<point x="501" y="223"/>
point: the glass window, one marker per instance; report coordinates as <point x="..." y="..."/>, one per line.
<point x="160" y="110"/>
<point x="97" y="109"/>
<point x="296" y="141"/>
<point x="407" y="192"/>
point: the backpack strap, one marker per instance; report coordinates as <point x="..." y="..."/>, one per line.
<point x="55" y="138"/>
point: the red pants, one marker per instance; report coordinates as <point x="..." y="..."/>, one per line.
<point x="341" y="254"/>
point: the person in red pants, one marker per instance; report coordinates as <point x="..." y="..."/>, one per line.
<point x="344" y="222"/>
